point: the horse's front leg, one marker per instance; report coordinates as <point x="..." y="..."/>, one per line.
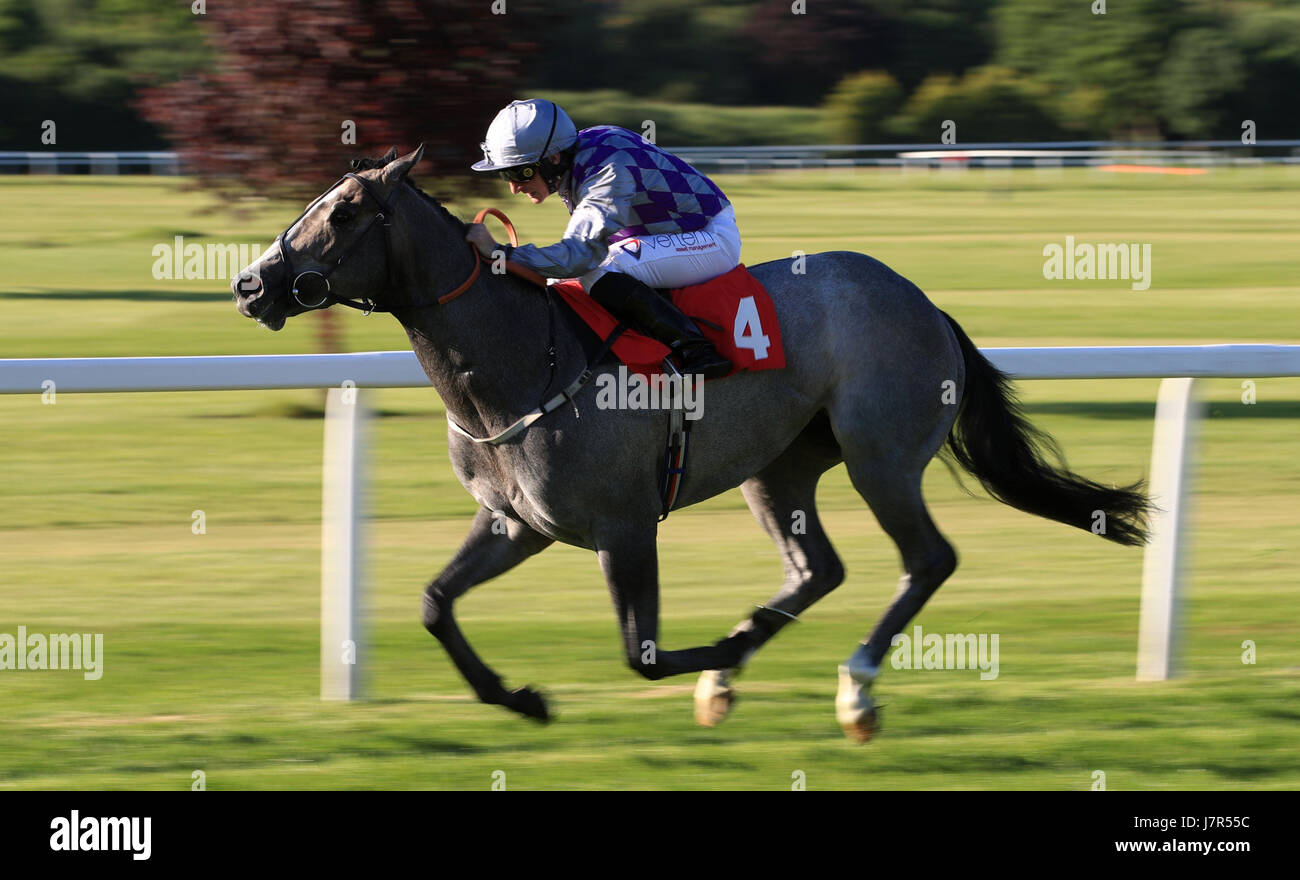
<point x="630" y="561"/>
<point x="493" y="546"/>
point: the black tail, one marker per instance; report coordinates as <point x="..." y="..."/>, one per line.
<point x="1021" y="465"/>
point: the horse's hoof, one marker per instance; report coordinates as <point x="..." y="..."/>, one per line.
<point x="530" y="704"/>
<point x="861" y="729"/>
<point x="714" y="697"/>
<point x="854" y="708"/>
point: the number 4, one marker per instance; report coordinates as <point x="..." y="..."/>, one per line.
<point x="747" y="320"/>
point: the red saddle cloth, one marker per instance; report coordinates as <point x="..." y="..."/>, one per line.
<point x="736" y="302"/>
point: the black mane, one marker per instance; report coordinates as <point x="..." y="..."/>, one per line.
<point x="369" y="163"/>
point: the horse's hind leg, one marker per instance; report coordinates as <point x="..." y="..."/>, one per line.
<point x="629" y="558"/>
<point x="893" y="489"/>
<point x="782" y="498"/>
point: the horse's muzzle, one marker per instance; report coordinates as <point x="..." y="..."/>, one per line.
<point x="248" y="290"/>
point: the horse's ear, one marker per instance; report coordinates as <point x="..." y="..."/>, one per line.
<point x="396" y="170"/>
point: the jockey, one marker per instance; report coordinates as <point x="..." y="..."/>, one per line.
<point x="640" y="218"/>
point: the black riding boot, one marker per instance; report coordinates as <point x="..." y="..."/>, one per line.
<point x="634" y="301"/>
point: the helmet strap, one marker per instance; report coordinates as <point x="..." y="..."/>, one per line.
<point x="553" y="171"/>
<point x="555" y="115"/>
<point x="543" y="165"/>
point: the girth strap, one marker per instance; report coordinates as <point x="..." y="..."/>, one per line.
<point x="679" y="437"/>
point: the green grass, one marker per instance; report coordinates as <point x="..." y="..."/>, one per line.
<point x="211" y="640"/>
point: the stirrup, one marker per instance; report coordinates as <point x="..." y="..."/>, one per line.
<point x="703" y="358"/>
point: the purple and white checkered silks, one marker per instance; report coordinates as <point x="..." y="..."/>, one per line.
<point x="671" y="196"/>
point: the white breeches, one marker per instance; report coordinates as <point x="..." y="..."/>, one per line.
<point x="676" y="260"/>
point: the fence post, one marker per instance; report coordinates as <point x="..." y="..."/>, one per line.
<point x="1172" y="454"/>
<point x="342" y="649"/>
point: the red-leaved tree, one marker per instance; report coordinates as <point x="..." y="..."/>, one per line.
<point x="293" y="80"/>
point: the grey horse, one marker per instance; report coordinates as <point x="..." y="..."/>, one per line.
<point x="876" y="377"/>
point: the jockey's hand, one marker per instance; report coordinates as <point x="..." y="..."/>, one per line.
<point x="482" y="239"/>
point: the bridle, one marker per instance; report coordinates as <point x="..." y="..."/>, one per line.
<point x="325" y="298"/>
<point x="311" y="287"/>
<point x="316" y="294"/>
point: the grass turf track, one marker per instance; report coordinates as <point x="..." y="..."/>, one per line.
<point x="211" y="640"/>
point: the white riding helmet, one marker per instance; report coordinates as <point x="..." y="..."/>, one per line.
<point x="524" y="133"/>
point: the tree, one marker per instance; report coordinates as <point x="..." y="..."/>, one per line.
<point x="861" y="105"/>
<point x="77" y="62"/>
<point x="1104" y="65"/>
<point x="1269" y="43"/>
<point x="988" y="104"/>
<point x="1202" y="71"/>
<point x="801" y="55"/>
<point x="930" y="37"/>
<point x="298" y="91"/>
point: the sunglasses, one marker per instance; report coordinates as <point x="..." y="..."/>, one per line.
<point x="518" y="174"/>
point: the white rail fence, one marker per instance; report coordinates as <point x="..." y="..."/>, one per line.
<point x="157" y="162"/>
<point x="1041" y="154"/>
<point x="1044" y="156"/>
<point x="342" y="516"/>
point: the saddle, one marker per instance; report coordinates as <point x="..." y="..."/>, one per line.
<point x="734" y="311"/>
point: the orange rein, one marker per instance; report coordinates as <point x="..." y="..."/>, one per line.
<point x="513" y="268"/>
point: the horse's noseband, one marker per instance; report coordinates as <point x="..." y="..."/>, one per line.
<point x="298" y="286"/>
<point x="311" y="287"/>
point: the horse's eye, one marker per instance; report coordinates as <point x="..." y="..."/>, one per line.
<point x="340" y="216"/>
